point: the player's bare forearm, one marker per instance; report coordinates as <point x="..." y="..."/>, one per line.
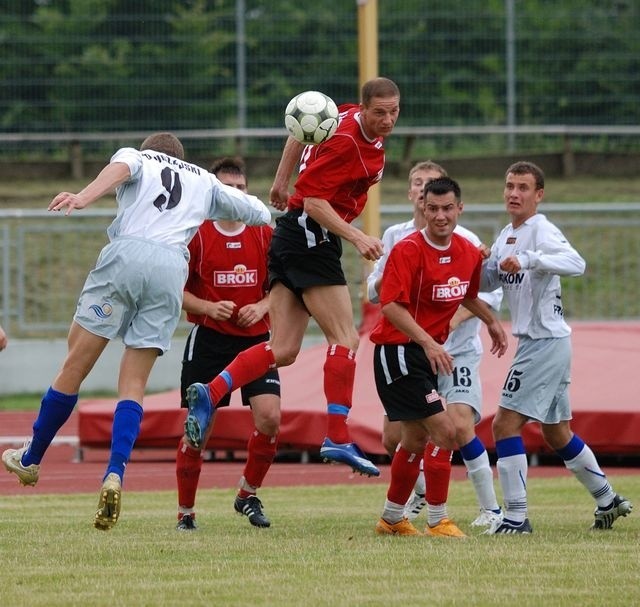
<point x="483" y="311"/>
<point x="399" y="316"/>
<point x="218" y="310"/>
<point x="107" y="180"/>
<point x="369" y="247"/>
<point x="252" y="313"/>
<point x="499" y="339"/>
<point x="279" y="192"/>
<point x="459" y="317"/>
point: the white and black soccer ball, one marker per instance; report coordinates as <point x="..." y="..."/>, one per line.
<point x="311" y="117"/>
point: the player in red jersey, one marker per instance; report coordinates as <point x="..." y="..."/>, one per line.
<point x="428" y="275"/>
<point x="226" y="297"/>
<point x="305" y="272"/>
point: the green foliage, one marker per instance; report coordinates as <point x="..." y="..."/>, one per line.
<point x="320" y="551"/>
<point x="84" y="65"/>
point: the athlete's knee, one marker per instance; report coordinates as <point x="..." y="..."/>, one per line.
<point x="389" y="444"/>
<point x="507" y="423"/>
<point x="268" y="422"/>
<point x="443" y="431"/>
<point x="285" y="355"/>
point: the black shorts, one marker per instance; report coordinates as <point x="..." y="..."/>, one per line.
<point x="405" y="382"/>
<point x="208" y="352"/>
<point x="303" y="254"/>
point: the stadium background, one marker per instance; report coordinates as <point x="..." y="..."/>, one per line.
<point x="104" y="66"/>
<point x="480" y="82"/>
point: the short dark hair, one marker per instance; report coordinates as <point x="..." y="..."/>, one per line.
<point x="378" y="87"/>
<point x="524" y="167"/>
<point x="233" y="166"/>
<point x="167" y="143"/>
<point x="443" y="185"/>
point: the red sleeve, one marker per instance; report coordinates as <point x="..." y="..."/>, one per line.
<point x="195" y="256"/>
<point x="474" y="283"/>
<point x="331" y="168"/>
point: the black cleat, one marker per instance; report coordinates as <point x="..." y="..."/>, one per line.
<point x="251" y="507"/>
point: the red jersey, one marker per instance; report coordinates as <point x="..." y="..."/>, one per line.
<point x="342" y="169"/>
<point x="430" y="282"/>
<point x="229" y="266"/>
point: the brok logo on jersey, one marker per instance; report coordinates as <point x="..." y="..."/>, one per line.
<point x="240" y="276"/>
<point x="454" y="290"/>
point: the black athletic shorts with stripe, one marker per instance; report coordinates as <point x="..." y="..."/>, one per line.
<point x="407" y="387"/>
<point x="208" y="352"/>
<point x="303" y="254"/>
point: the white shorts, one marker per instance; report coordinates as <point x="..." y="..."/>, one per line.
<point x="135" y="292"/>
<point x="537" y="384"/>
<point x="463" y="385"/>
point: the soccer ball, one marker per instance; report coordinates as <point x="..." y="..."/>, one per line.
<point x="311" y="117"/>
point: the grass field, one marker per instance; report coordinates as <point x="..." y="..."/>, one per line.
<point x="320" y="551"/>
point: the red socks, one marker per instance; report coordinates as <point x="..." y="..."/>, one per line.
<point x="188" y="466"/>
<point x="247" y="366"/>
<point x="339" y="375"/>
<point x="437" y="473"/>
<point x="261" y="451"/>
<point x="405" y="467"/>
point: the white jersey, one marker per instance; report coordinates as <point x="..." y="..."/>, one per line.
<point x="534" y="293"/>
<point x="166" y="199"/>
<point x="465" y="338"/>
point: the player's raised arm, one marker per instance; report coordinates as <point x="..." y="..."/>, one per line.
<point x="107" y="180"/>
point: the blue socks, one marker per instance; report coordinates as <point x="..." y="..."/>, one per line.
<point x="473" y="449"/>
<point x="572" y="449"/>
<point x="126" y="427"/>
<point x="55" y="410"/>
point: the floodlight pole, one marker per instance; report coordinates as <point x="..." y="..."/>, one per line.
<point x="368" y="69"/>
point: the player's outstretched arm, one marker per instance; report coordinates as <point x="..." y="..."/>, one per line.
<point x="230" y="203"/>
<point x="369" y="247"/>
<point x="279" y="193"/>
<point x="441" y="361"/>
<point x="107" y="180"/>
<point x="484" y="312"/>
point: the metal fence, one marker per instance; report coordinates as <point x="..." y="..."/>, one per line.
<point x="45" y="260"/>
<point x="233" y="64"/>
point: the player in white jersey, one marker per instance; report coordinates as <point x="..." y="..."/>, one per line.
<point x="135" y="292"/>
<point x="527" y="260"/>
<point x="462" y="389"/>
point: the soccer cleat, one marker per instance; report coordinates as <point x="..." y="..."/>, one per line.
<point x="109" y="503"/>
<point x="414" y="505"/>
<point x="187" y="522"/>
<point x="486" y="518"/>
<point x="445" y="528"/>
<point x="200" y="413"/>
<point x="12" y="460"/>
<point x="347" y="453"/>
<point x="505" y="526"/>
<point x="251" y="507"/>
<point x="605" y="517"/>
<point x="403" y="527"/>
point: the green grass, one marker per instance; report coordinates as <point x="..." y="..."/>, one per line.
<point x="321" y="550"/>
